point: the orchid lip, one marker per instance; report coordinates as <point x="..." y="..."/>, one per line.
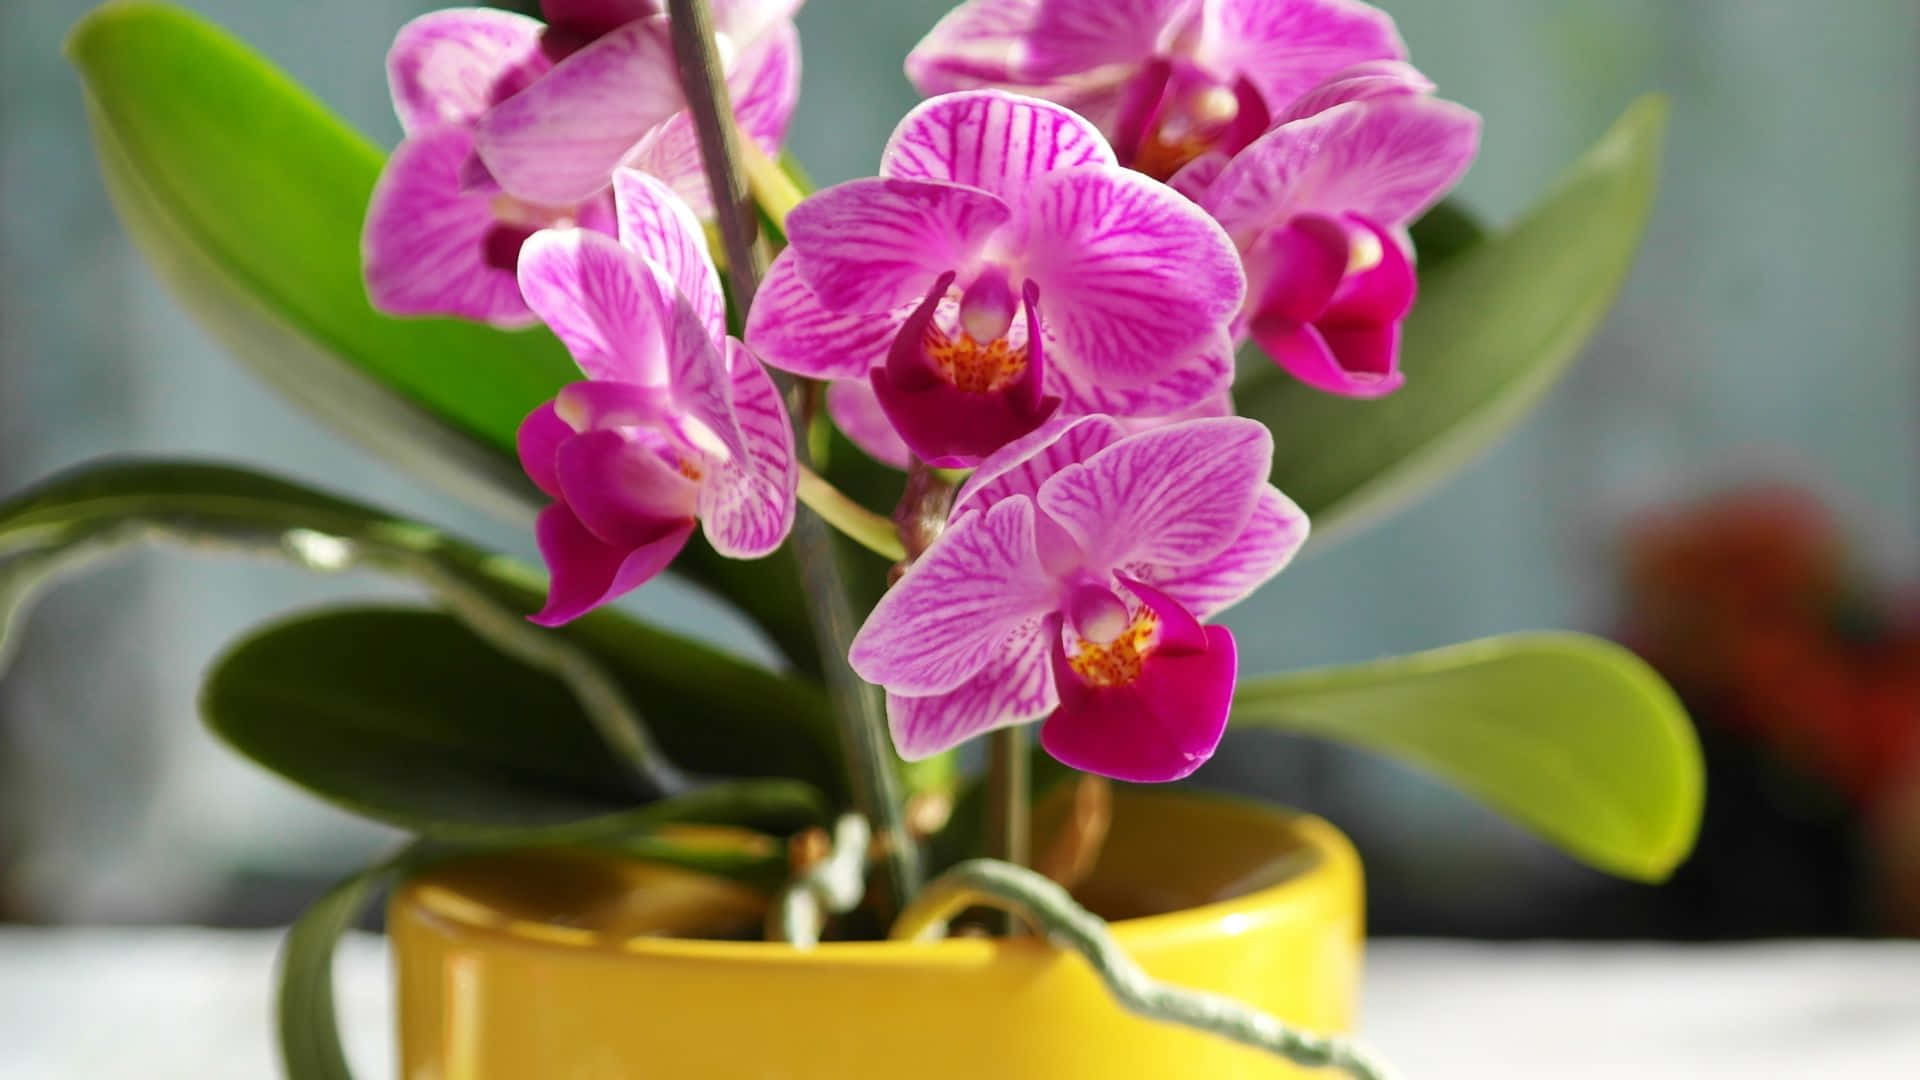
<point x="954" y="400"/>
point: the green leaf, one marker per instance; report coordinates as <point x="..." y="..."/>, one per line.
<point x="1572" y="736"/>
<point x="708" y="712"/>
<point x="1443" y="232"/>
<point x="247" y="196"/>
<point x="1495" y="326"/>
<point x="407" y="717"/>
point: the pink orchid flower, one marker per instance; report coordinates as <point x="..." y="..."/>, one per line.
<point x="442" y="234"/>
<point x="1070" y="586"/>
<point x="1001" y="267"/>
<point x="617" y="101"/>
<point x="1318" y="208"/>
<point x="1167" y="80"/>
<point x="677" y="421"/>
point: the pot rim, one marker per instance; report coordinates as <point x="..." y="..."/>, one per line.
<point x="1325" y="882"/>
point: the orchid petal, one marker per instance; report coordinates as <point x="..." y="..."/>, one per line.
<point x="857" y="413"/>
<point x="874" y="244"/>
<point x="1160" y="727"/>
<point x="538" y="443"/>
<point x="1264" y="548"/>
<point x="586" y="572"/>
<point x="1020" y="467"/>
<point x="659" y="227"/>
<point x="559" y="140"/>
<point x="1287" y="47"/>
<point x="764" y="87"/>
<point x="1176" y="495"/>
<point x="1306" y="353"/>
<point x="1361" y="82"/>
<point x="1297" y="268"/>
<point x="1014" y="687"/>
<point x="746" y="505"/>
<point x="601" y="301"/>
<point x="994" y="141"/>
<point x="1072" y="37"/>
<point x="592" y="18"/>
<point x="1133" y="275"/>
<point x="956" y="607"/>
<point x="596" y="404"/>
<point x="427" y="248"/>
<point x="1203" y="376"/>
<point x="1381" y="293"/>
<point x="622" y="490"/>
<point x="789" y="328"/>
<point x="1220" y="404"/>
<point x="1387" y="159"/>
<point x="448" y="67"/>
<point x="976" y="44"/>
<point x="744" y="21"/>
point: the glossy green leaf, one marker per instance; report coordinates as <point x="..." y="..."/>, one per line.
<point x="706" y="711"/>
<point x="1572" y="736"/>
<point x="1496" y="324"/>
<point x="407" y="717"/>
<point x="247" y="195"/>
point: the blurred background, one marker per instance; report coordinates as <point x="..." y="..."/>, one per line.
<point x="1727" y="480"/>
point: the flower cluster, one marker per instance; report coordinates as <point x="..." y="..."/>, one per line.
<point x="1046" y="283"/>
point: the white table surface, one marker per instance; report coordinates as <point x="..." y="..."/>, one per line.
<point x="194" y="1005"/>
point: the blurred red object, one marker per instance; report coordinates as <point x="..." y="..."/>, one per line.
<point x="1750" y="603"/>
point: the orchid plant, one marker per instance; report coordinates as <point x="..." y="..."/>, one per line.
<point x="1139" y="289"/>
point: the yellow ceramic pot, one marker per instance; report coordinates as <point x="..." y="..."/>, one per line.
<point x="552" y="967"/>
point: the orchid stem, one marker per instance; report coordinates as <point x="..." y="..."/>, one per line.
<point x="861" y="525"/>
<point x="1009" y="799"/>
<point x="863" y="732"/>
<point x="1052" y="911"/>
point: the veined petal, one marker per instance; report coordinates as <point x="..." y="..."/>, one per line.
<point x="559" y="140"/>
<point x="1264" y="548"/>
<point x="427" y="248"/>
<point x="1072" y="37"/>
<point x="1387" y="159"/>
<point x="746" y="21"/>
<point x="622" y="490"/>
<point x="980" y="43"/>
<point x="586" y="572"/>
<point x="1133" y="276"/>
<point x="600" y="299"/>
<point x="1020" y="467"/>
<point x="874" y="244"/>
<point x="991" y="140"/>
<point x="746" y="505"/>
<point x="1203" y="376"/>
<point x="1014" y="687"/>
<point x="656" y="225"/>
<point x="538" y="442"/>
<point x="857" y="413"/>
<point x="1177" y="495"/>
<point x="1375" y="78"/>
<point x="1287" y="47"/>
<point x="764" y="86"/>
<point x="956" y="607"/>
<point x="789" y="328"/>
<point x="1220" y="404"/>
<point x="1160" y="727"/>
<point x="449" y="66"/>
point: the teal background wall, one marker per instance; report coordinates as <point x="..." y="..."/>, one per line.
<point x="1770" y="327"/>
